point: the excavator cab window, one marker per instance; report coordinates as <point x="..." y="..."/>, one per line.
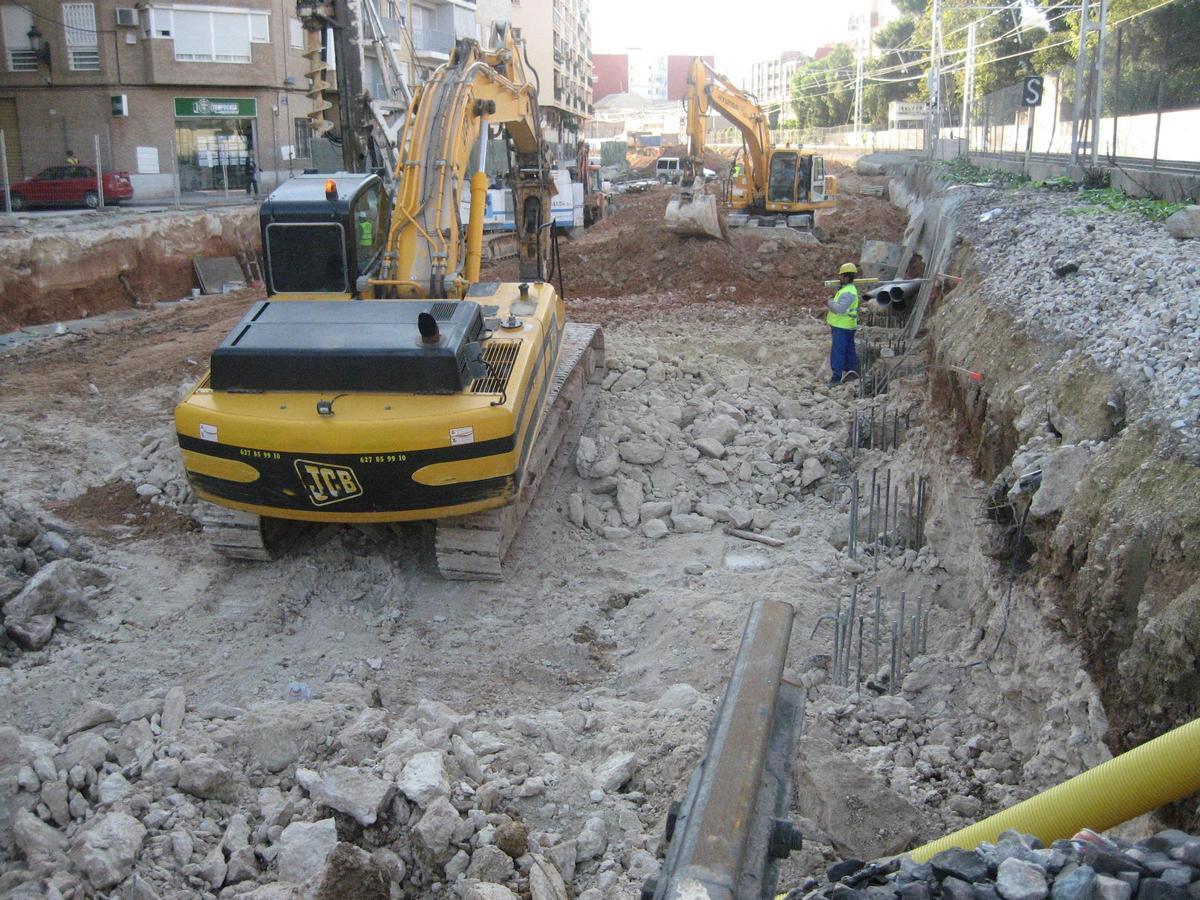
<point x="306" y="257"/>
<point x="782" y="177"/>
<point x="370" y="227"/>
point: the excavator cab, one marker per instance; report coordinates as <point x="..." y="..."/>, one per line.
<point x="324" y="235"/>
<point x="794" y="179"/>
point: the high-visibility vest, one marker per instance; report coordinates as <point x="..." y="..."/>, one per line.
<point x="366" y="233"/>
<point x="849" y="319"/>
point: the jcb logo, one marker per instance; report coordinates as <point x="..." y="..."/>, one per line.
<point x="327" y="483"/>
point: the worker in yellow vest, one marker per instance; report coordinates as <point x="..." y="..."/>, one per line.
<point x="842" y="319"/>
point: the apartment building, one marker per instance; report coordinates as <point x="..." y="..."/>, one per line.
<point x="558" y="40"/>
<point x="193" y="90"/>
<point x="652" y="76"/>
<point x="771" y="80"/>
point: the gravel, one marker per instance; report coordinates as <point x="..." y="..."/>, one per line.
<point x="1019" y="867"/>
<point x="1120" y="289"/>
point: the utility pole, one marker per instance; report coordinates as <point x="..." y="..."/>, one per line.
<point x="935" y="79"/>
<point x="968" y="90"/>
<point x="1093" y="17"/>
<point x="858" y="84"/>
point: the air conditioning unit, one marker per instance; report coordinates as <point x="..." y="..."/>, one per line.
<point x="127" y="15"/>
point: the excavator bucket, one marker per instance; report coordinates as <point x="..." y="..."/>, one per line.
<point x="695" y="214"/>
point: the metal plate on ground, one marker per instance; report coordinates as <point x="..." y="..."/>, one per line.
<point x="214" y="272"/>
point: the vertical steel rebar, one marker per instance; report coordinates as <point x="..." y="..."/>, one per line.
<point x="849" y="636"/>
<point x="872" y="438"/>
<point x="917" y="539"/>
<point x="858" y="667"/>
<point x="917" y="627"/>
<point x="837" y="641"/>
<point x="894" y="673"/>
<point x="925" y="633"/>
<point x="887" y="499"/>
<point x="911" y="537"/>
<point x="896" y="431"/>
<point x="896" y="516"/>
<point x="854" y="517"/>
<point x="878" y="601"/>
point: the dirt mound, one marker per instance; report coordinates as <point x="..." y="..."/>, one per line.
<point x="631" y="257"/>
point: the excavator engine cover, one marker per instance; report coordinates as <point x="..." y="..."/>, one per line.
<point x="338" y="345"/>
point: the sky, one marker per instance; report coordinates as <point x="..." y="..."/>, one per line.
<point x="736" y="33"/>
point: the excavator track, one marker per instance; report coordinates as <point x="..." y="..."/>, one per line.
<point x="236" y="534"/>
<point x="472" y="548"/>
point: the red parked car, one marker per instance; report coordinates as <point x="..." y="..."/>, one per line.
<point x="69" y="185"/>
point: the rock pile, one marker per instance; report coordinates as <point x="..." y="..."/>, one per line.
<point x="42" y="582"/>
<point x="157" y="472"/>
<point x="333" y="797"/>
<point x="685" y="445"/>
<point x="1165" y="866"/>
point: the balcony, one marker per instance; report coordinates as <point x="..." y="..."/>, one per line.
<point x="430" y="40"/>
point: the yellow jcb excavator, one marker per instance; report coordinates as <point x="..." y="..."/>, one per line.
<point x="767" y="185"/>
<point x="381" y="380"/>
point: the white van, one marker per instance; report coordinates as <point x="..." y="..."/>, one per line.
<point x="667" y="170"/>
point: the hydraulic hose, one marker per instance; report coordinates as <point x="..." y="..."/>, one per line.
<point x="1158" y="772"/>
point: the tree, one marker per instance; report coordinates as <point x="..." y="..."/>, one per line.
<point x="821" y="96"/>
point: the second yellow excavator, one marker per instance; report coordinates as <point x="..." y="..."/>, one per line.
<point x="381" y="380"/>
<point x="767" y="185"/>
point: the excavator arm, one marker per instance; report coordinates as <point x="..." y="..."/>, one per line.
<point x="708" y="90"/>
<point x="426" y="255"/>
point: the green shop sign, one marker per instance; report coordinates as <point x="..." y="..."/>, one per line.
<point x="212" y="107"/>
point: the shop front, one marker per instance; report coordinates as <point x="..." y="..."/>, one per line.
<point x="214" y="140"/>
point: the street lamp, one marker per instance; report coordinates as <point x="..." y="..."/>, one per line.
<point x="39" y="45"/>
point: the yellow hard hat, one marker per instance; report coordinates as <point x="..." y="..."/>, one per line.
<point x="848" y="269"/>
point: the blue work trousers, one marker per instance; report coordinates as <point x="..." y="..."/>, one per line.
<point x="843" y="357"/>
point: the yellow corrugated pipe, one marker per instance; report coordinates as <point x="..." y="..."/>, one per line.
<point x="1159" y="771"/>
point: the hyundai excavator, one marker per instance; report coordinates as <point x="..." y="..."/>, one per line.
<point x="382" y="381"/>
<point x="768" y="185"/>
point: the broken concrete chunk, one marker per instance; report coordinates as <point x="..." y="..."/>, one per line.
<point x="357" y="794"/>
<point x="424" y="778"/>
<point x="174" y="706"/>
<point x="54" y="591"/>
<point x="303" y="849"/>
<point x="206" y="778"/>
<point x="107" y="848"/>
<point x="615" y="771"/>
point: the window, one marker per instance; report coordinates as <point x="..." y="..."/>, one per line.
<point x="217" y="36"/>
<point x="297" y="34"/>
<point x="309" y="257"/>
<point x="258" y="30"/>
<point x="303" y="139"/>
<point x="79" y="26"/>
<point x="159" y="22"/>
<point x="369" y="226"/>
<point x="17" y="21"/>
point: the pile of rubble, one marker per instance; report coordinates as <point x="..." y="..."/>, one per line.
<point x="1165" y="866"/>
<point x="684" y="444"/>
<point x="157" y="472"/>
<point x="42" y="583"/>
<point x="329" y="796"/>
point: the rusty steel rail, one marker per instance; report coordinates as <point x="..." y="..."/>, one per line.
<point x="726" y="837"/>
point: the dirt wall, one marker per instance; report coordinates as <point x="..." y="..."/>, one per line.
<point x="1111" y="549"/>
<point x="54" y="269"/>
